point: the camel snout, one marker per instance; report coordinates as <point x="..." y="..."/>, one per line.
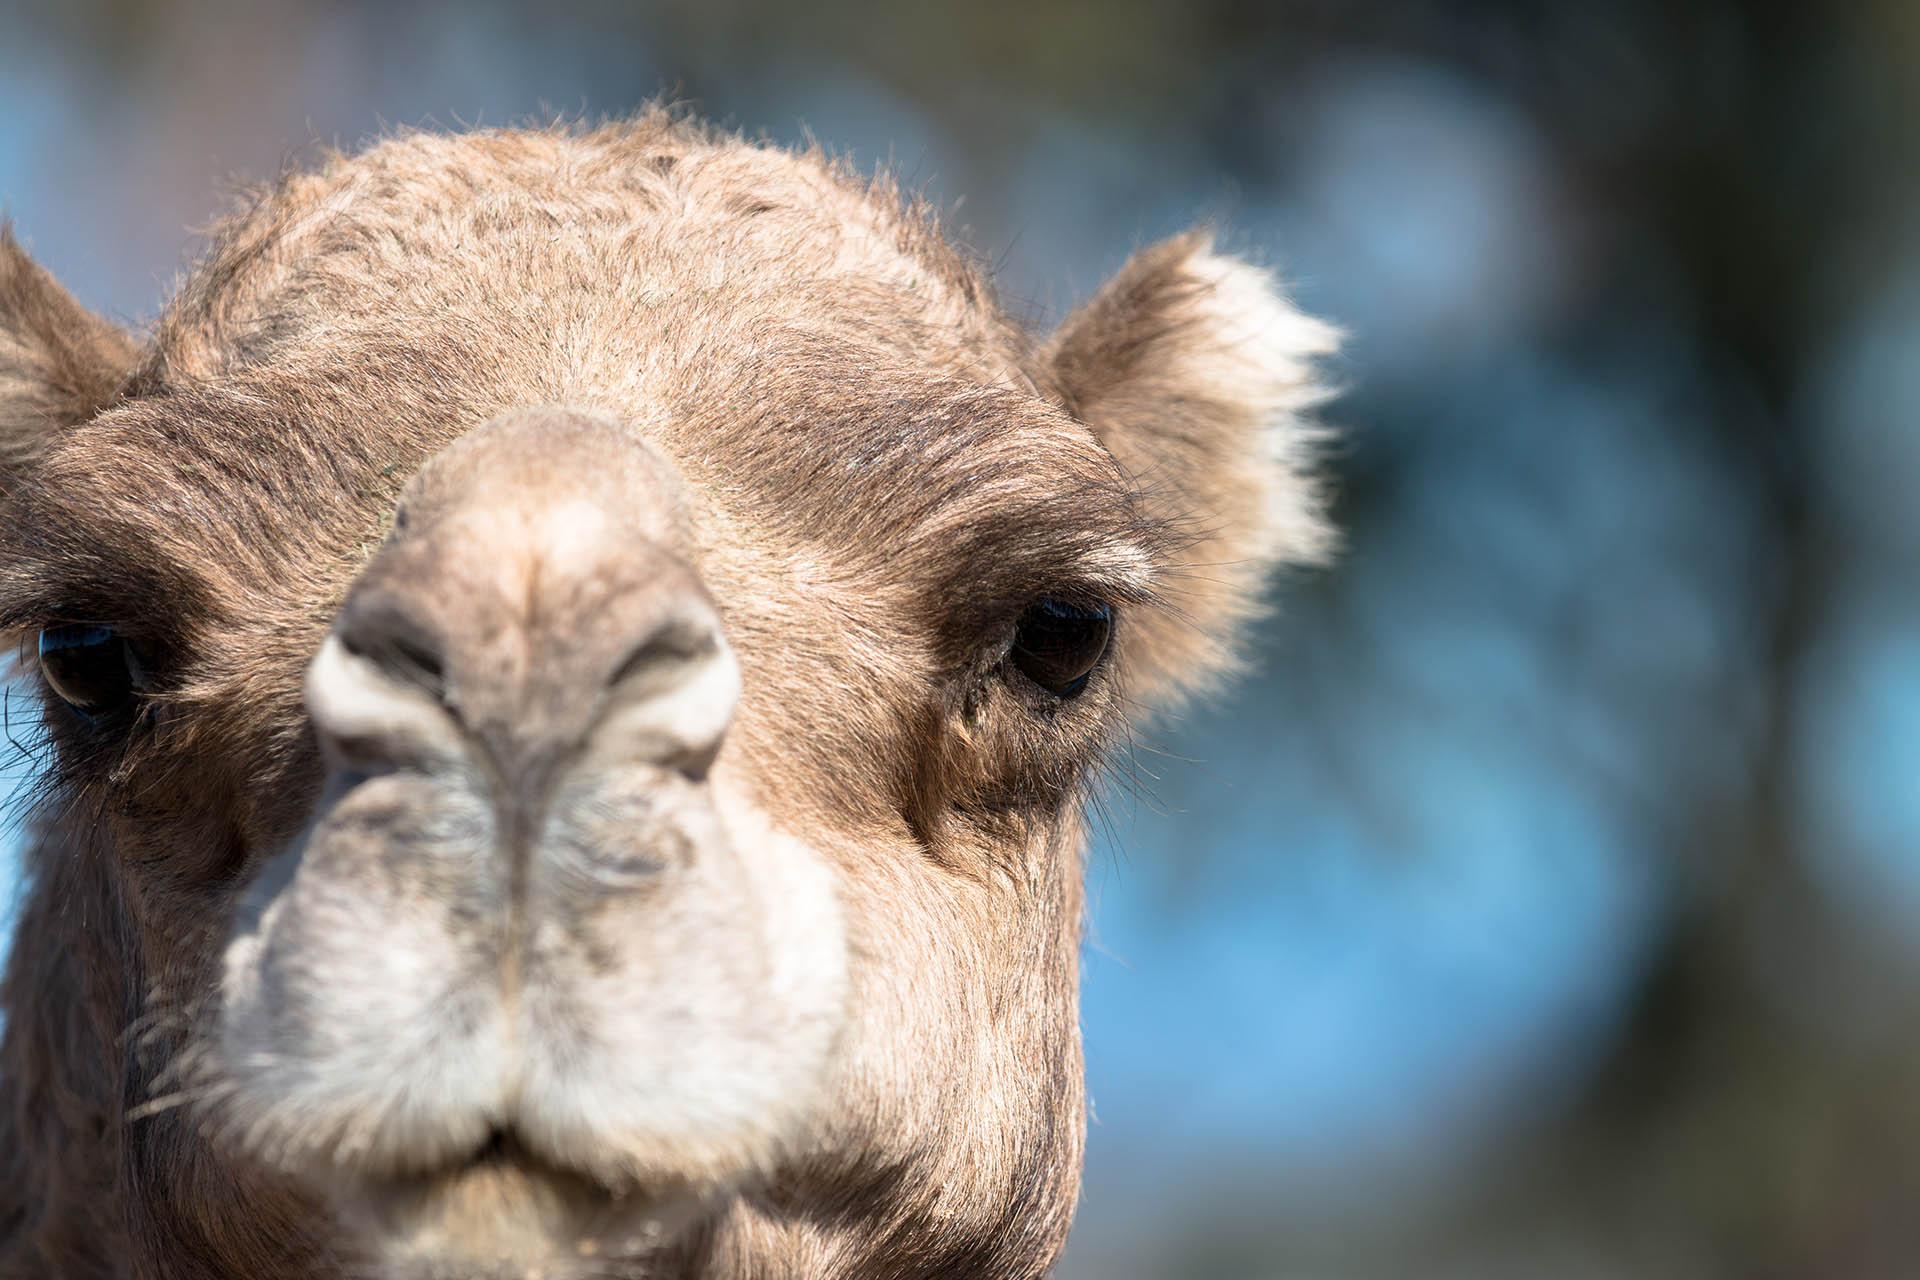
<point x="535" y="608"/>
<point x="535" y="914"/>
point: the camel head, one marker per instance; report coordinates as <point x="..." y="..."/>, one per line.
<point x="572" y="663"/>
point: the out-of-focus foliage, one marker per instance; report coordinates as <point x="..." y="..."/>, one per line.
<point x="1546" y="905"/>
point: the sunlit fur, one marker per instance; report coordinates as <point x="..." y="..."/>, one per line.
<point x="870" y="472"/>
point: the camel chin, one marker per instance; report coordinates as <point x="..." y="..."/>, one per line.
<point x="506" y="1216"/>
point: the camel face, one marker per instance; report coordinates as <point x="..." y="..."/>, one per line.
<point x="574" y="663"/>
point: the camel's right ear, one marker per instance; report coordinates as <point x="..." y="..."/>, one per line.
<point x="59" y="364"/>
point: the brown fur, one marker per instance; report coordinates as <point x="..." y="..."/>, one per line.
<point x="880" y="473"/>
<point x="58" y="364"/>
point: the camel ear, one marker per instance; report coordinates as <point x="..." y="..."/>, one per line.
<point x="1195" y="372"/>
<point x="59" y="364"/>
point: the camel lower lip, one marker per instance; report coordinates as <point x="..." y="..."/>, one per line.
<point x="505" y="1211"/>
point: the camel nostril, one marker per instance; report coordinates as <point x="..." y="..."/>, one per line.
<point x="671" y="698"/>
<point x="389" y="632"/>
<point x="666" y="655"/>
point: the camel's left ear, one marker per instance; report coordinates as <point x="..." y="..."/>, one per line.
<point x="59" y="364"/>
<point x="1195" y="372"/>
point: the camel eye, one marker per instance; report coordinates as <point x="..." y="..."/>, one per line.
<point x="90" y="666"/>
<point x="1058" y="644"/>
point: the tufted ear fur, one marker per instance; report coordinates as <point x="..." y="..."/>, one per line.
<point x="59" y="364"/>
<point x="1194" y="372"/>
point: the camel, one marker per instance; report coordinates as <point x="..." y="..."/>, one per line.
<point x="573" y="662"/>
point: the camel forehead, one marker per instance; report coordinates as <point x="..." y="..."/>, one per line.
<point x="454" y="194"/>
<point x="691" y="283"/>
<point x="652" y="231"/>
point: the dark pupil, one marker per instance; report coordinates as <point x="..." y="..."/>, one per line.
<point x="1059" y="644"/>
<point x="86" y="664"/>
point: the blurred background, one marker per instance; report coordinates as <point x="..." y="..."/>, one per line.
<point x="1548" y="903"/>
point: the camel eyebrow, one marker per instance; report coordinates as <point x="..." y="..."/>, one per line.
<point x="61" y="574"/>
<point x="137" y="611"/>
<point x="1017" y="565"/>
<point x="1089" y="533"/>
